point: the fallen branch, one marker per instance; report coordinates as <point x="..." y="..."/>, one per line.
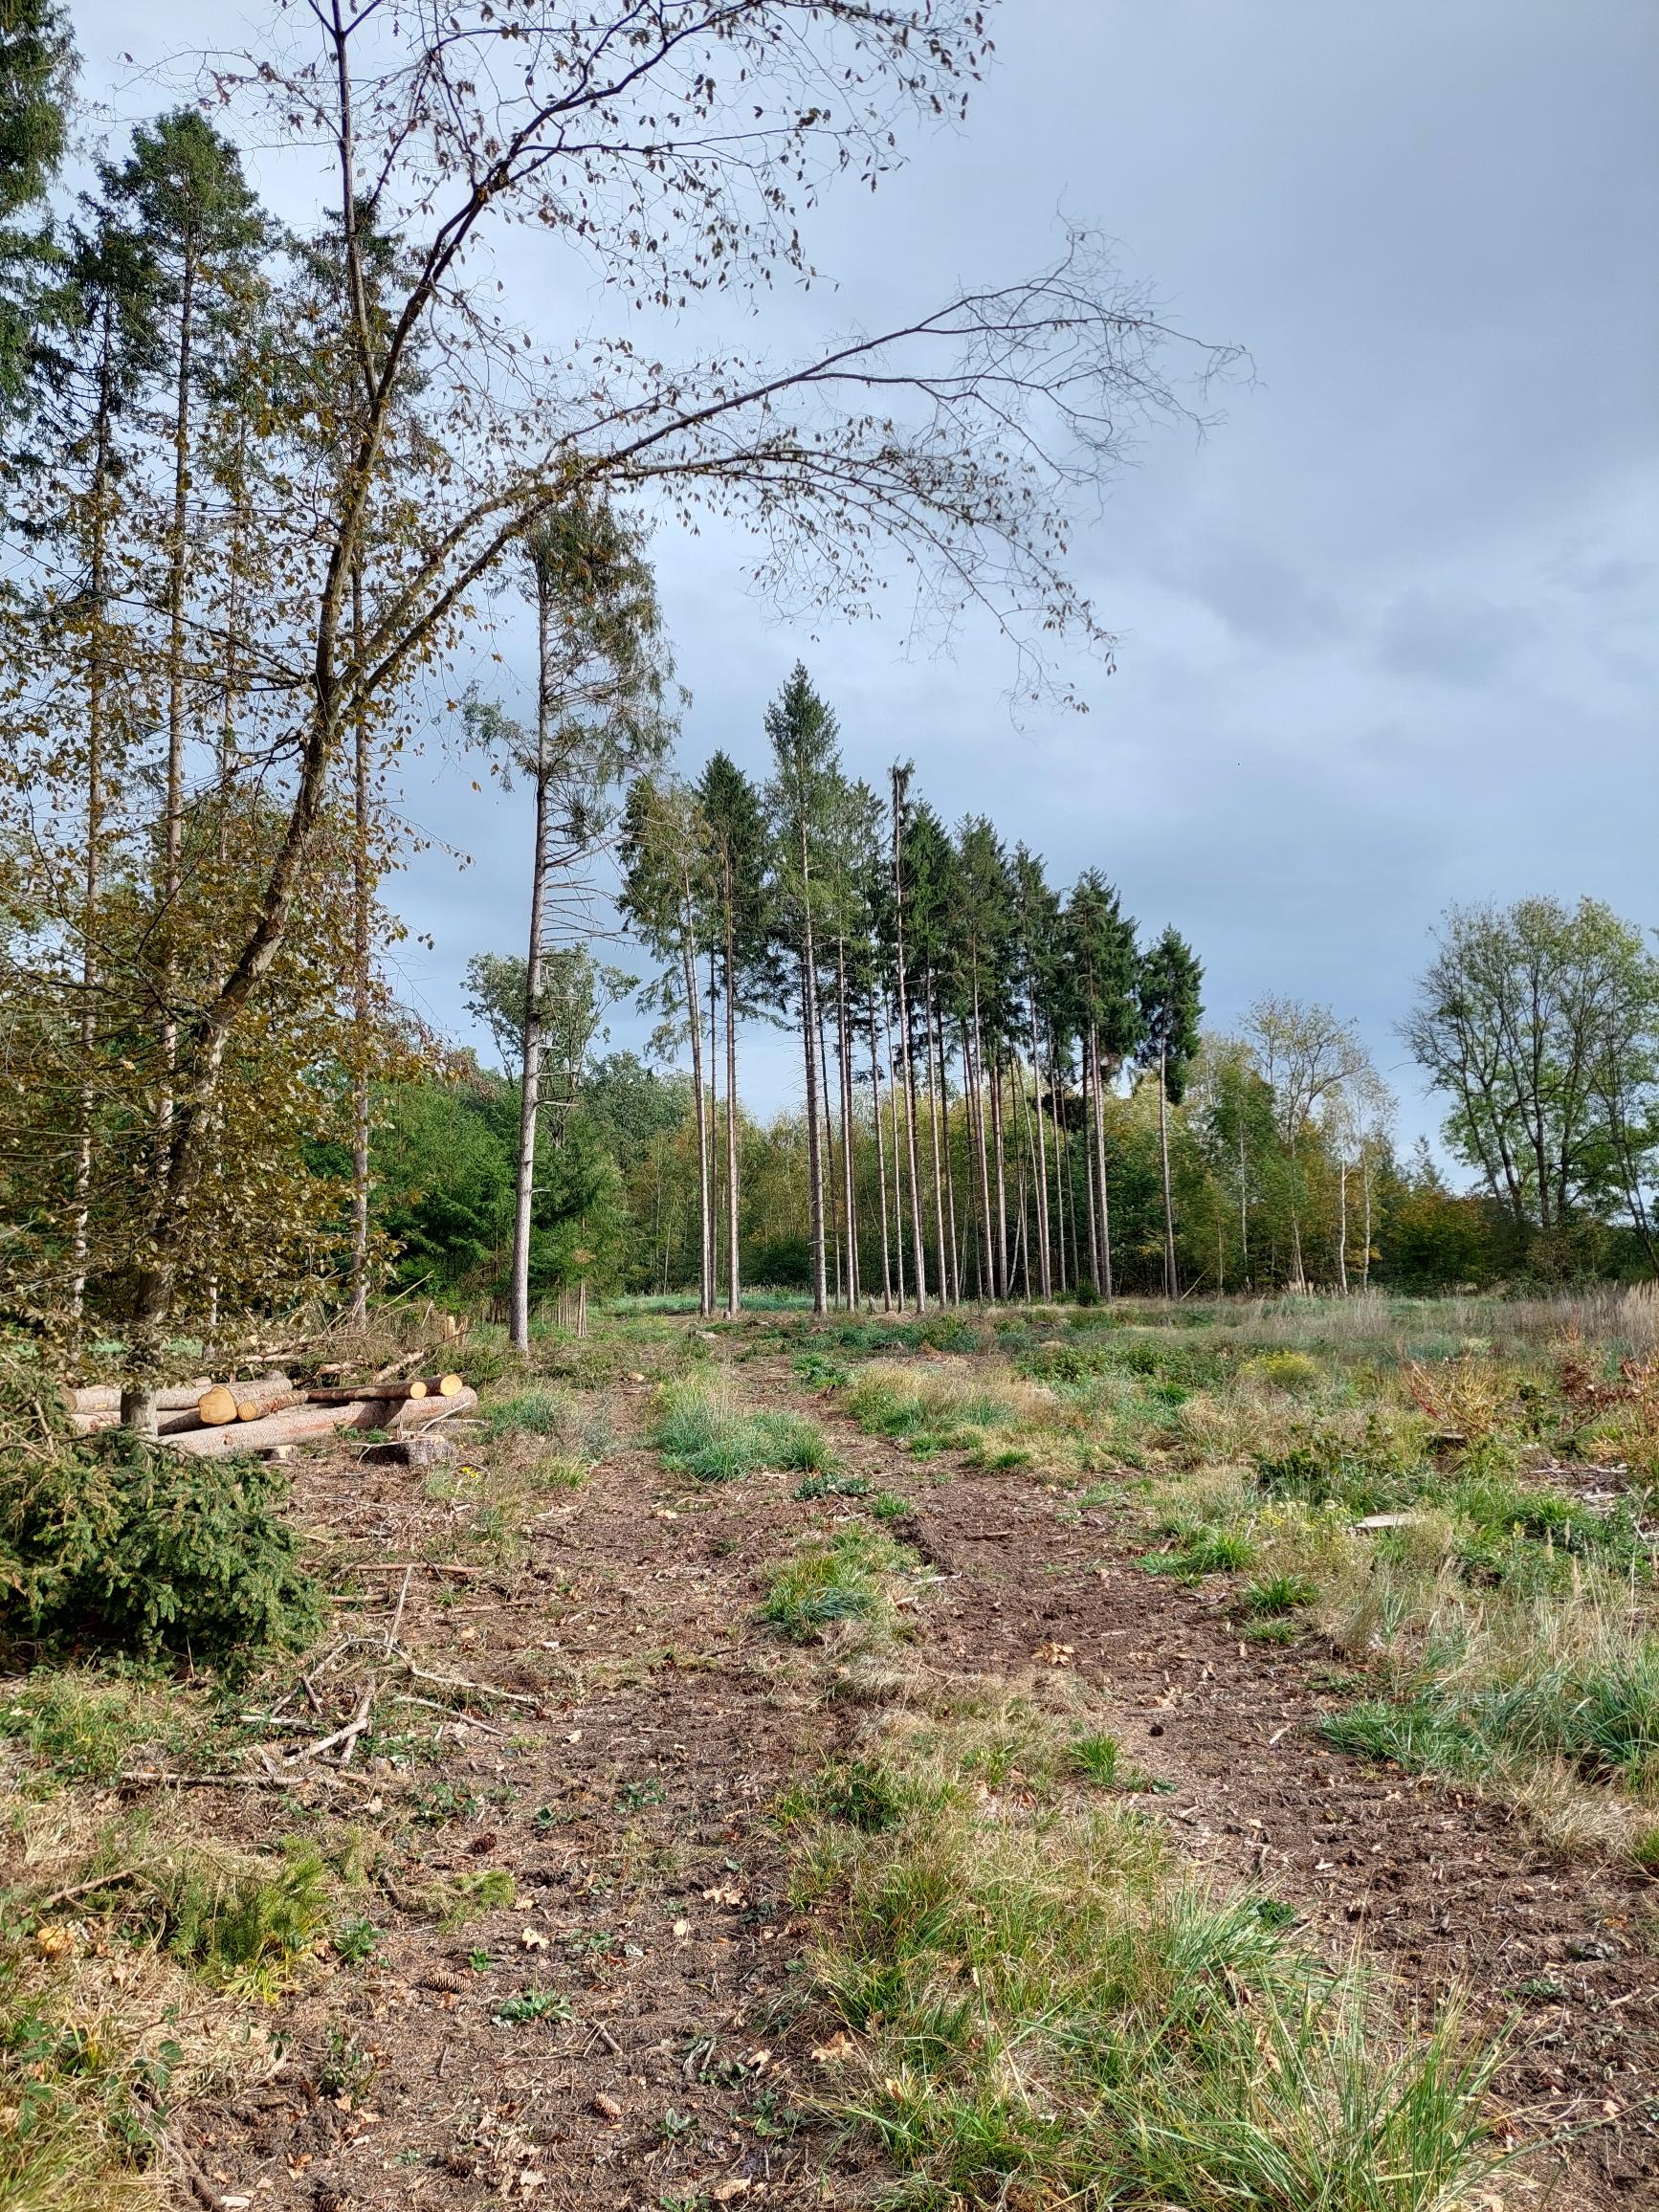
<point x="460" y="1682"/>
<point x="361" y="1719"/>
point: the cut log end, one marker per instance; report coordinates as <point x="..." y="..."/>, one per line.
<point x="219" y="1405"/>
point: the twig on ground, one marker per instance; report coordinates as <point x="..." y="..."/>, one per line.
<point x="85" y="1889"/>
<point x="361" y="1719"/>
<point x="397" y="1617"/>
<point x="460" y="1682"/>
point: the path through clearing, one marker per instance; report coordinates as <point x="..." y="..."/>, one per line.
<point x="651" y="1928"/>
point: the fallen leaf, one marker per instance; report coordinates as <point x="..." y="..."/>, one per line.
<point x="722" y="1894"/>
<point x="532" y="1939"/>
<point x="723" y="2192"/>
<point x="573" y="1736"/>
<point x="532" y="2178"/>
<point x="838" y="2048"/>
<point x="53" y="1939"/>
<point x="682" y="1927"/>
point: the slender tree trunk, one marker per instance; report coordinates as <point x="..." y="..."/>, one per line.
<point x="949" y="1282"/>
<point x="362" y="939"/>
<point x="716" y="1180"/>
<point x="810" y="1034"/>
<point x="896" y="1085"/>
<point x="844" y="1047"/>
<point x="530" y="1067"/>
<point x="693" y="1009"/>
<point x="1171" y="1282"/>
<point x="1100" y="1162"/>
<point x="92" y="878"/>
<point x="999" y="1155"/>
<point x="173" y="818"/>
<point x="1343" y="1223"/>
<point x="906" y="1037"/>
<point x="1244" y="1207"/>
<point x="880" y="1158"/>
<point x="1044" y="1271"/>
<point x="978" y="1087"/>
<point x="734" y="1297"/>
<point x="1089" y="1163"/>
<point x="831" y="1180"/>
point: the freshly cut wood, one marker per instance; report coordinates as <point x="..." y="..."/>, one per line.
<point x="306" y="1422"/>
<point x="218" y="1405"/>
<point x="105" y="1396"/>
<point x="260" y="1402"/>
<point x="296" y="1425"/>
<point x="425" y="1412"/>
<point x="175" y="1397"/>
<point x="446" y="1386"/>
<point x="359" y="1393"/>
<point x="167" y="1424"/>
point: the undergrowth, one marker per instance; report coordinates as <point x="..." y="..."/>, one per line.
<point x="703" y="1430"/>
<point x="1041" y="2006"/>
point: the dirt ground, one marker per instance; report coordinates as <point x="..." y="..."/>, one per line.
<point x="627" y="1793"/>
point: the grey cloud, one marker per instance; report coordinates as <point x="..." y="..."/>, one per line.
<point x="1454" y="636"/>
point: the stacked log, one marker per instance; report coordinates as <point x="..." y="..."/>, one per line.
<point x="216" y="1419"/>
<point x="306" y="1420"/>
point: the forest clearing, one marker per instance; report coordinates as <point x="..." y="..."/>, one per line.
<point x="714" y="1490"/>
<point x="1153" y="1755"/>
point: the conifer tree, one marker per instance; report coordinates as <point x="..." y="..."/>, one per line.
<point x="1170" y="1010"/>
<point x="801" y="797"/>
<point x="737" y="843"/>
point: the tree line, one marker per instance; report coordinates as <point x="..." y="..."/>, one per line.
<point x="265" y="485"/>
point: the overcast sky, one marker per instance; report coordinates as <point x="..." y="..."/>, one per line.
<point x="1386" y="635"/>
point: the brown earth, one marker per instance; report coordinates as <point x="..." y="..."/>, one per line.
<point x="628" y="1804"/>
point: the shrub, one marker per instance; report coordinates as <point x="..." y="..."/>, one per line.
<point x="124" y="1546"/>
<point x="1294" y="1372"/>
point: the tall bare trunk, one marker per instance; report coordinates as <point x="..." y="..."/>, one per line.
<point x="1045" y="1269"/>
<point x="716" y="1181"/>
<point x="734" y="1298"/>
<point x="1171" y="1286"/>
<point x="809" y="1037"/>
<point x="1100" y="1162"/>
<point x="896" y="1085"/>
<point x="530" y="1063"/>
<point x="905" y="1033"/>
<point x="173" y="816"/>
<point x="999" y="1157"/>
<point x="362" y="901"/>
<point x="981" y="1150"/>
<point x="831" y="1180"/>
<point x="693" y="1009"/>
<point x="1342" y="1222"/>
<point x="881" y="1159"/>
<point x="844" y="1048"/>
<point x="92" y="875"/>
<point x="949" y="1276"/>
<point x="1089" y="1162"/>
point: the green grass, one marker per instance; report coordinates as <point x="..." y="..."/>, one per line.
<point x="849" y="1577"/>
<point x="1051" y="2010"/>
<point x="702" y="1430"/>
<point x="84" y="1726"/>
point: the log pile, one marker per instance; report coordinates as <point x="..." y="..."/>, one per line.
<point x="216" y="1419"/>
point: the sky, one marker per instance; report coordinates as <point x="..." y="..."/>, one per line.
<point x="1385" y="633"/>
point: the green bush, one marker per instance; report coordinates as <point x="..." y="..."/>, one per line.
<point x="119" y="1545"/>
